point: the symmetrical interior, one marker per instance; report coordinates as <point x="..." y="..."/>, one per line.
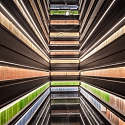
<point x="62" y="62"/>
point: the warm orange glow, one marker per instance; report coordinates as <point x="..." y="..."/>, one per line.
<point x="64" y="53"/>
<point x="118" y="72"/>
<point x="64" y="34"/>
<point x="65" y="73"/>
<point x="64" y="42"/>
<point x="64" y="61"/>
<point x="10" y="73"/>
<point x="64" y="22"/>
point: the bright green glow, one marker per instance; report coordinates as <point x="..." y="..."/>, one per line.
<point x="65" y="83"/>
<point x="63" y="12"/>
<point x="99" y="93"/>
<point x="7" y="113"/>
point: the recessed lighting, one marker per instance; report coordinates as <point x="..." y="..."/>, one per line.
<point x="67" y="13"/>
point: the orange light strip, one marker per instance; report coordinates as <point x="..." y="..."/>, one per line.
<point x="64" y="61"/>
<point x="113" y="118"/>
<point x="64" y="34"/>
<point x="11" y="73"/>
<point x="64" y="22"/>
<point x="64" y="42"/>
<point x="118" y="72"/>
<point x="64" y="73"/>
<point x="64" y="53"/>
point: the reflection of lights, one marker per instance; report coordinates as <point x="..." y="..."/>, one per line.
<point x="67" y="13"/>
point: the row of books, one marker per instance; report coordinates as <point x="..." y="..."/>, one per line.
<point x="64" y="42"/>
<point x="64" y="83"/>
<point x="64" y="53"/>
<point x="117" y="72"/>
<point x="113" y="100"/>
<point x="64" y="73"/>
<point x="64" y="34"/>
<point x="41" y="22"/>
<point x="11" y="73"/>
<point x="83" y="19"/>
<point x="63" y="12"/>
<point x="109" y="40"/>
<point x="29" y="21"/>
<point x="13" y="29"/>
<point x="64" y="61"/>
<point x="64" y="22"/>
<point x="9" y="111"/>
<point x="64" y="89"/>
<point x="115" y="120"/>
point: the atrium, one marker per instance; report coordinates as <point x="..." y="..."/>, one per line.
<point x="62" y="62"/>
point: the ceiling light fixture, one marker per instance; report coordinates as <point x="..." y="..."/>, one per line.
<point x="67" y="13"/>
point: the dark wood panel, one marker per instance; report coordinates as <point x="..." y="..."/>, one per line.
<point x="64" y="17"/>
<point x="110" y="54"/>
<point x="111" y="18"/>
<point x="13" y="43"/>
<point x="14" y="57"/>
<point x="115" y="87"/>
<point x="63" y="66"/>
<point x="64" y="28"/>
<point x="59" y="47"/>
<point x="62" y="78"/>
<point x="15" y="90"/>
<point x="14" y="11"/>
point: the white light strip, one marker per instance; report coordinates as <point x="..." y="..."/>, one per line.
<point x="97" y="24"/>
<point x="23" y="30"/>
<point x="85" y="113"/>
<point x="83" y="6"/>
<point x="43" y="111"/>
<point x="82" y="119"/>
<point x="34" y="25"/>
<point x="103" y="37"/>
<point x="103" y="66"/>
<point x="86" y="15"/>
<point x="96" y="49"/>
<point x="90" y="112"/>
<point x="64" y="45"/>
<point x="65" y="58"/>
<point x="21" y="65"/>
<point x="43" y="14"/>
<point x="64" y="51"/>
<point x="14" y="102"/>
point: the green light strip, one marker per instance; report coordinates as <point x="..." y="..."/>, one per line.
<point x="63" y="12"/>
<point x="65" y="83"/>
<point x="11" y="110"/>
